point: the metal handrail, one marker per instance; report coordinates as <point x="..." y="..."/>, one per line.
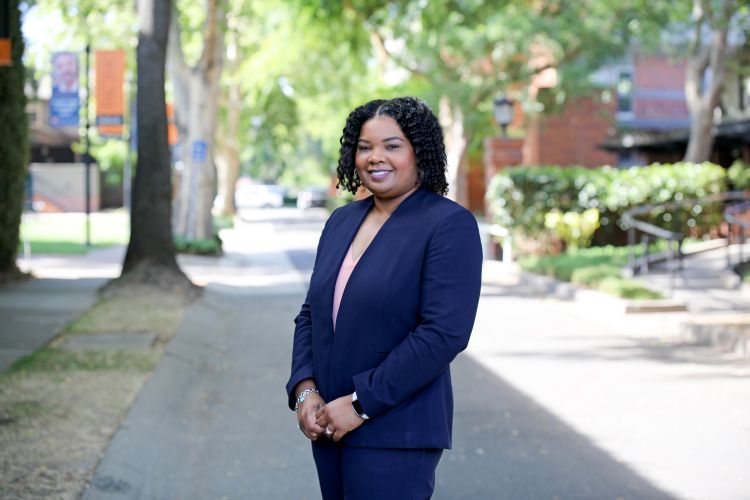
<point x="731" y="216"/>
<point x="675" y="239"/>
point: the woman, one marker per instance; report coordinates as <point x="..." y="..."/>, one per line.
<point x="392" y="301"/>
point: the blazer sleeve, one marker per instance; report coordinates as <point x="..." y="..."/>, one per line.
<point x="302" y="358"/>
<point x="451" y="283"/>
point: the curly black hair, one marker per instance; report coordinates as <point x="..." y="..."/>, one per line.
<point x="420" y="126"/>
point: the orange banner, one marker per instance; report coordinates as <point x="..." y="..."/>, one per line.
<point x="171" y="125"/>
<point x="110" y="101"/>
<point x="5" y="54"/>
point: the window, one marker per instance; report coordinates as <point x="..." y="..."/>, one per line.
<point x="625" y="92"/>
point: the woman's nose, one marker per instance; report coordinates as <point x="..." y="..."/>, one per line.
<point x="375" y="158"/>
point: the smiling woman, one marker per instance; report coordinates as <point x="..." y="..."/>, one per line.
<point x="392" y="301"/>
<point x="385" y="159"/>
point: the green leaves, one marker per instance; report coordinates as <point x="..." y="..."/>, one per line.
<point x="521" y="198"/>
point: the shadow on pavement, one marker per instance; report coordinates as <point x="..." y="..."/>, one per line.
<point x="506" y="446"/>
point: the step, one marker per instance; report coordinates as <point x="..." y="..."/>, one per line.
<point x="729" y="332"/>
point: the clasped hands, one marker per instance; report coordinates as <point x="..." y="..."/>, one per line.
<point x="334" y="420"/>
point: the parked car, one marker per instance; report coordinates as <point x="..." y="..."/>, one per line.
<point x="312" y="197"/>
<point x="258" y="196"/>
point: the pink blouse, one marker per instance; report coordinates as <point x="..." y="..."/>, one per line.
<point x="344" y="273"/>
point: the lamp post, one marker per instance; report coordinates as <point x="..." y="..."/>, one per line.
<point x="503" y="113"/>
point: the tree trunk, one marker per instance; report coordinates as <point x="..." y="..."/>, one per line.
<point x="456" y="148"/>
<point x="701" y="142"/>
<point x="228" y="159"/>
<point x="702" y="99"/>
<point x="228" y="139"/>
<point x="196" y="109"/>
<point x="198" y="184"/>
<point x="150" y="258"/>
<point x="13" y="147"/>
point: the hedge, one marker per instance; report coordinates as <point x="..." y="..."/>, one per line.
<point x="520" y="197"/>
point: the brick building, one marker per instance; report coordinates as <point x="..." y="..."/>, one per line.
<point x="639" y="116"/>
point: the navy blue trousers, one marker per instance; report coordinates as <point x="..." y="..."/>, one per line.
<point x="348" y="473"/>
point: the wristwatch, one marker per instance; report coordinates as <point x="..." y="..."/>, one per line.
<point x="358" y="407"/>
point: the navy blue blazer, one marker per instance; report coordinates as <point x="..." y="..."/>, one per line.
<point x="407" y="310"/>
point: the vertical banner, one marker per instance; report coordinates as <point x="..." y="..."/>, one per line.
<point x="6" y="56"/>
<point x="110" y="99"/>
<point x="65" y="103"/>
<point x="172" y="138"/>
<point x="171" y="125"/>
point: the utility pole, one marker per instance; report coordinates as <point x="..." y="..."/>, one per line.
<point x="87" y="152"/>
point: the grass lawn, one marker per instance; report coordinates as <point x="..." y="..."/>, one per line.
<point x="65" y="233"/>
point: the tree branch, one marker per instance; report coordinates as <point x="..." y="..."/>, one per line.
<point x="179" y="72"/>
<point x="718" y="54"/>
<point x="175" y="56"/>
<point x="378" y="43"/>
<point x="213" y="45"/>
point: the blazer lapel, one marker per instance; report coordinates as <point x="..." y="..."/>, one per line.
<point x="377" y="245"/>
<point x="339" y="242"/>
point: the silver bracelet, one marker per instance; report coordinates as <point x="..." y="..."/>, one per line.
<point x="301" y="397"/>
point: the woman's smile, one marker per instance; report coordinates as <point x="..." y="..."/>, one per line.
<point x="378" y="175"/>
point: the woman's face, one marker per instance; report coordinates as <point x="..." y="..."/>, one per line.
<point x="385" y="159"/>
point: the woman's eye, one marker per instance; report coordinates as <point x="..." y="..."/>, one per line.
<point x="363" y="148"/>
<point x="391" y="147"/>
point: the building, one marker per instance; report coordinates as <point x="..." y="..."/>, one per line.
<point x="638" y="116"/>
<point x="56" y="180"/>
<point x="653" y="122"/>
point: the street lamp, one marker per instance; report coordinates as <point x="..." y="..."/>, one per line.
<point x="503" y="113"/>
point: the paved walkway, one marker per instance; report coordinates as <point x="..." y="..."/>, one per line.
<point x="554" y="399"/>
<point x="704" y="283"/>
<point x="34" y="311"/>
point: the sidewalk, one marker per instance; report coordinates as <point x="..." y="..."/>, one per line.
<point x="34" y="311"/>
<point x="554" y="398"/>
<point x="704" y="284"/>
<point x="674" y="412"/>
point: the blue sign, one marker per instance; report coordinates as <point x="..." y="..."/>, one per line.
<point x="65" y="103"/>
<point x="133" y="127"/>
<point x="200" y="151"/>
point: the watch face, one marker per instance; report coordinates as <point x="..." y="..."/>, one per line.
<point x="358" y="407"/>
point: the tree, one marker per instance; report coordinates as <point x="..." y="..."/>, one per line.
<point x="150" y="258"/>
<point x="196" y="93"/>
<point x="288" y="85"/>
<point x="13" y="146"/>
<point x="465" y="53"/>
<point x="709" y="54"/>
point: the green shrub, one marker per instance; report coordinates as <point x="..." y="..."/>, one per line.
<point x="575" y="229"/>
<point x="223" y="222"/>
<point x="563" y="266"/>
<point x="591" y="276"/>
<point x="520" y="198"/>
<point x="198" y="247"/>
<point x="597" y="267"/>
<point x="739" y="175"/>
<point x="626" y="289"/>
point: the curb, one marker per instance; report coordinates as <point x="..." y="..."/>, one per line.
<point x="591" y="297"/>
<point x="728" y="332"/>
